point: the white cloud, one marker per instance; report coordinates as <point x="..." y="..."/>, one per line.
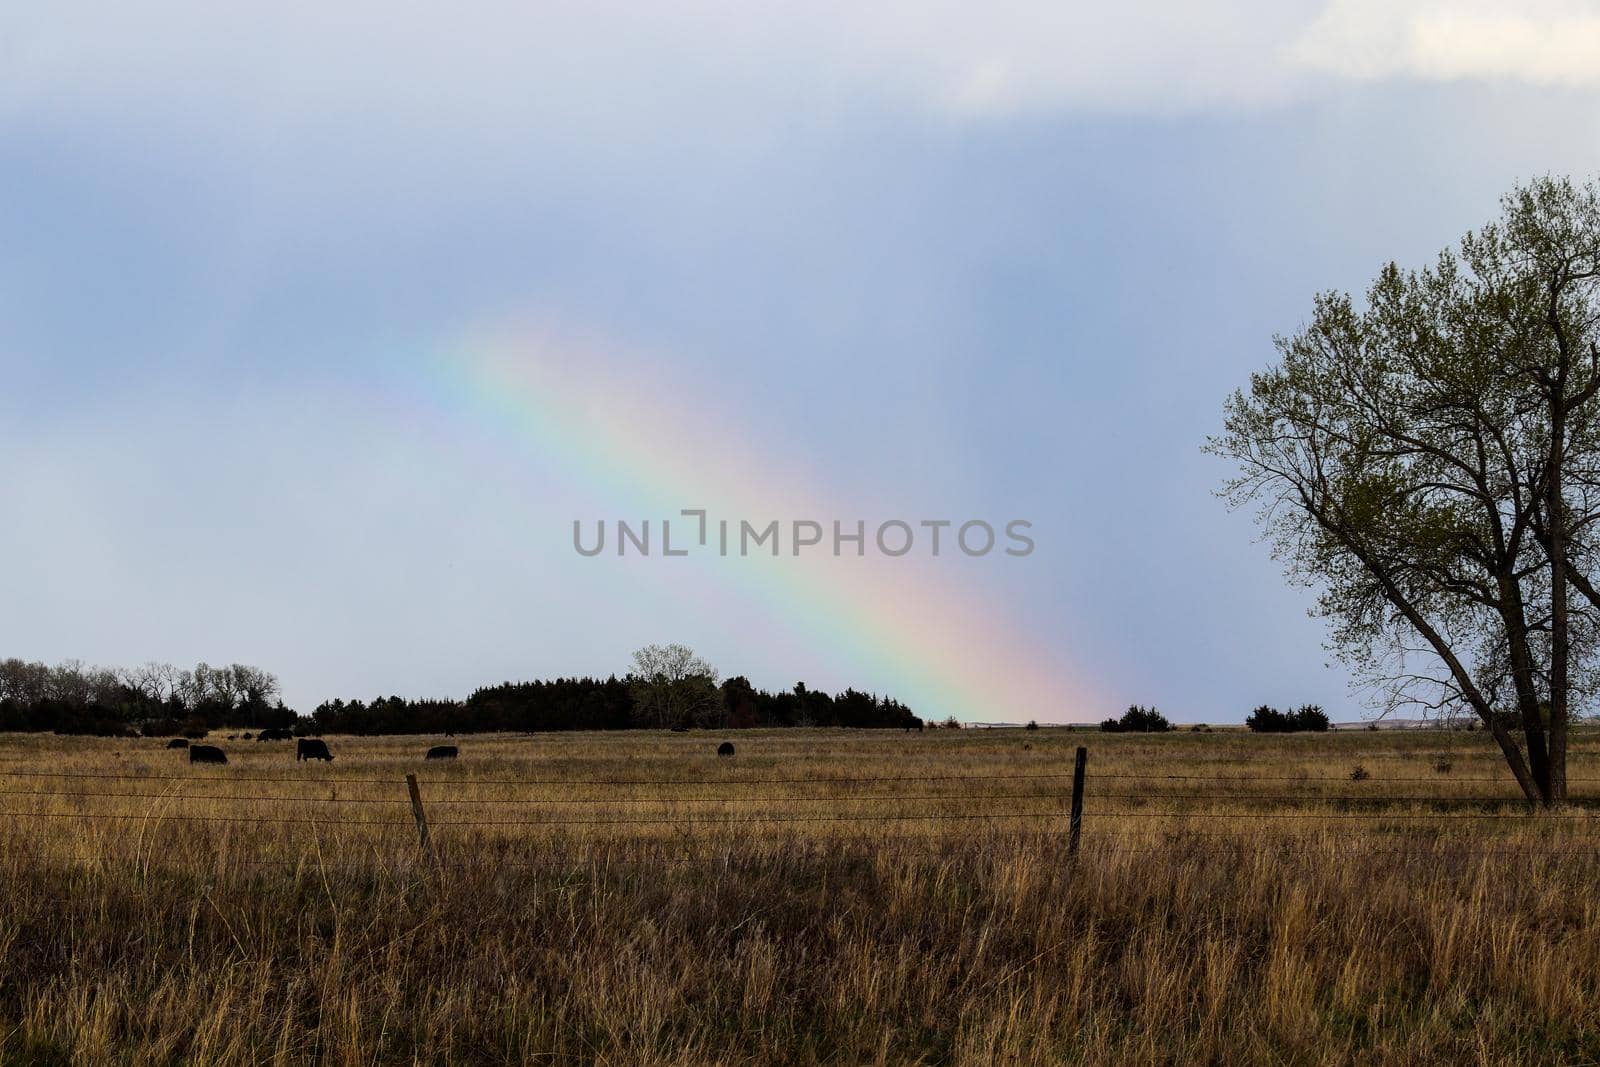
<point x="1539" y="43"/>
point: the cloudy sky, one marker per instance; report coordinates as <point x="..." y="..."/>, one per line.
<point x="320" y="324"/>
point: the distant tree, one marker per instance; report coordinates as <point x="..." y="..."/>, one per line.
<point x="672" y="686"/>
<point x="1269" y="720"/>
<point x="739" y="703"/>
<point x="894" y="714"/>
<point x="1308" y="717"/>
<point x="814" y="707"/>
<point x="1138" y="719"/>
<point x="156" y="683"/>
<point x="855" y="709"/>
<point x="25" y="683"/>
<point x="254" y="691"/>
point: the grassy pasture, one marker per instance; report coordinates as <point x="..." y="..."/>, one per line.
<point x="822" y="897"/>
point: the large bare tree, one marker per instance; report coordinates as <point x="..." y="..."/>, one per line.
<point x="671" y="686"/>
<point x="1430" y="461"/>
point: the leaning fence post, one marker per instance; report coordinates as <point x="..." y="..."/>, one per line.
<point x="419" y="814"/>
<point x="1077" y="801"/>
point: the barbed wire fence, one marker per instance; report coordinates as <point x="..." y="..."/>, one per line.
<point x="1116" y="811"/>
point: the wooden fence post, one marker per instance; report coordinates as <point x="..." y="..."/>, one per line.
<point x="419" y="814"/>
<point x="1077" y="801"/>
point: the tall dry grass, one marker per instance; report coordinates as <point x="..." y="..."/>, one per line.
<point x="1387" y="920"/>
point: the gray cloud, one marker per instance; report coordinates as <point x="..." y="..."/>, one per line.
<point x="599" y="62"/>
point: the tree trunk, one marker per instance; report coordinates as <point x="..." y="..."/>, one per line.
<point x="1514" y="618"/>
<point x="1508" y="748"/>
<point x="1555" y="788"/>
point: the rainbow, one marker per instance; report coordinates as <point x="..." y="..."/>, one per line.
<point x="640" y="446"/>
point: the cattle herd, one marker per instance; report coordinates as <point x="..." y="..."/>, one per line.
<point x="312" y="748"/>
<point x="305" y="748"/>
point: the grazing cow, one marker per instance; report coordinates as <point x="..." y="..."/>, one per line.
<point x="206" y="754"/>
<point x="274" y="735"/>
<point x="443" y="752"/>
<point x="680" y="729"/>
<point x="311" y="748"/>
<point x="725" y="749"/>
<point x="177" y="742"/>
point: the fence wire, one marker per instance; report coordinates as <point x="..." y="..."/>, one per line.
<point x="1042" y="806"/>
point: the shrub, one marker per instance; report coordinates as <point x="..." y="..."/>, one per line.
<point x="1137" y="720"/>
<point x="1442" y="765"/>
<point x="1266" y="720"/>
<point x="1308" y="717"/>
<point x="1269" y="720"/>
<point x="1359" y="773"/>
<point x="1033" y="724"/>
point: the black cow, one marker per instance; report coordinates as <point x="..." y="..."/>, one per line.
<point x="443" y="752"/>
<point x="177" y="742"/>
<point x="680" y="729"/>
<point x="206" y="754"/>
<point x="274" y="735"/>
<point x="725" y="749"/>
<point x="311" y="748"/>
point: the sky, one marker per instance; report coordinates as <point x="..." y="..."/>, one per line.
<point x="321" y="325"/>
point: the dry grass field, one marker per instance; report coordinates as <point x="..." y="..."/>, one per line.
<point x="822" y="897"/>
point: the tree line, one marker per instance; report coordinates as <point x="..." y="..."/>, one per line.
<point x="669" y="688"/>
<point x="156" y="699"/>
<point x="606" y="704"/>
